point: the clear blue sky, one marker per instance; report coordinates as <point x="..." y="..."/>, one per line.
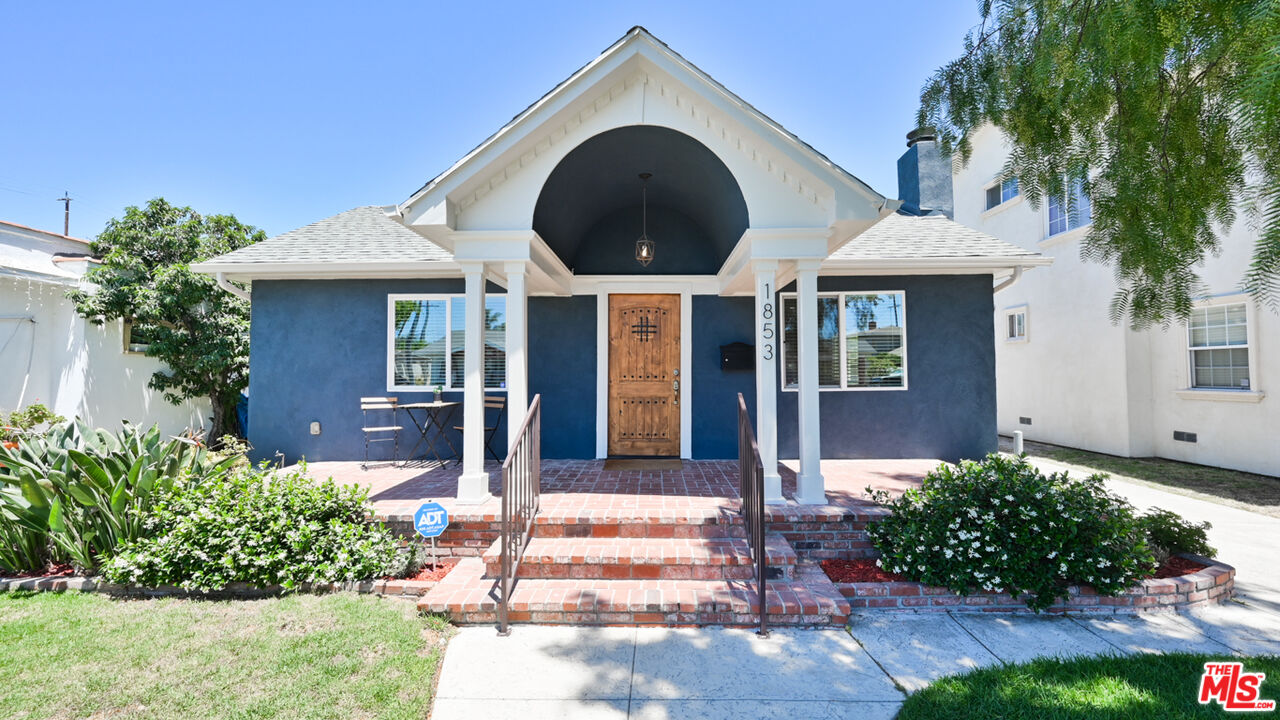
<point x="285" y="114"/>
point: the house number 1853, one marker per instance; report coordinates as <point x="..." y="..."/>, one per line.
<point x="766" y="325"/>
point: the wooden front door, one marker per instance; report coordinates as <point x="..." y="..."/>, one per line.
<point x="644" y="375"/>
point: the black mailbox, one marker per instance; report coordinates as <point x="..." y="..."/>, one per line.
<point x="738" y="356"/>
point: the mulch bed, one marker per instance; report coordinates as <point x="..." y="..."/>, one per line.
<point x="53" y="571"/>
<point x="1177" y="566"/>
<point x="426" y="573"/>
<point x="859" y="570"/>
<point x="866" y="570"/>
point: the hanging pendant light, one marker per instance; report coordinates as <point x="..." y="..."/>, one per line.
<point x="644" y="246"/>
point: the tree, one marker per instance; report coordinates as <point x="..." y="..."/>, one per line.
<point x="199" y="331"/>
<point x="1168" y="113"/>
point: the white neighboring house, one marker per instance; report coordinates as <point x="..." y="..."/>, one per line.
<point x="1066" y="375"/>
<point x="49" y="354"/>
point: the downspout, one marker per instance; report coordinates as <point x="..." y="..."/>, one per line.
<point x="1017" y="273"/>
<point x="241" y="293"/>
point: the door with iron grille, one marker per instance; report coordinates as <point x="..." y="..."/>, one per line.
<point x="644" y="375"/>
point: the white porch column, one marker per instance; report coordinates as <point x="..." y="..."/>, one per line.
<point x="473" y="485"/>
<point x="810" y="488"/>
<point x="517" y="349"/>
<point x="768" y="341"/>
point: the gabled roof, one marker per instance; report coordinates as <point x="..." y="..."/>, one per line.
<point x="906" y="237"/>
<point x="638" y="34"/>
<point x="360" y="235"/>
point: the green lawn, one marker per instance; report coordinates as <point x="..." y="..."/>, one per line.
<point x="1260" y="493"/>
<point x="339" y="656"/>
<point x="1154" y="687"/>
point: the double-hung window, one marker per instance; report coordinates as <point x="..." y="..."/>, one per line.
<point x="1218" y="336"/>
<point x="427" y="343"/>
<point x="1073" y="211"/>
<point x="1002" y="192"/>
<point x="862" y="341"/>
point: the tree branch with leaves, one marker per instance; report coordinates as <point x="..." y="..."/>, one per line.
<point x="1168" y="114"/>
<point x="198" y="331"/>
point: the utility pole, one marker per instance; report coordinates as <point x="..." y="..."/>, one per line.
<point x="66" y="213"/>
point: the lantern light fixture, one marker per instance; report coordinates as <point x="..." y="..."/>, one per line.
<point x="644" y="246"/>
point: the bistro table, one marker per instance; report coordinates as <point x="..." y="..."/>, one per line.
<point x="431" y="422"/>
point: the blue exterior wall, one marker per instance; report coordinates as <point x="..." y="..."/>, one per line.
<point x="719" y="321"/>
<point x="318" y="346"/>
<point x="562" y="366"/>
<point x="949" y="409"/>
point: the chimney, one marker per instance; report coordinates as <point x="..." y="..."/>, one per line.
<point x="924" y="175"/>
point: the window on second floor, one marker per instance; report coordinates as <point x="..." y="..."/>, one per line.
<point x="1002" y="192"/>
<point x="1071" y="212"/>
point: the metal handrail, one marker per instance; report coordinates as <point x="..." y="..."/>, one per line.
<point x="751" y="490"/>
<point x="521" y="494"/>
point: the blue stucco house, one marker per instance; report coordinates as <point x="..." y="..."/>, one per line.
<point x="639" y="246"/>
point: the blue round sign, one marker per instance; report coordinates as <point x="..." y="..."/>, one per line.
<point x="430" y="520"/>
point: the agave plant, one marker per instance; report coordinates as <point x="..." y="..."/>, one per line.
<point x="91" y="488"/>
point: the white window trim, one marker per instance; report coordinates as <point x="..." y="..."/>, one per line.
<point x="1070" y="232"/>
<point x="1189" y="391"/>
<point x="1025" y="310"/>
<point x="1003" y="204"/>
<point x="844" y="348"/>
<point x="447" y="386"/>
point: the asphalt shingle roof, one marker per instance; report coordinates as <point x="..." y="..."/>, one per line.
<point x="363" y="234"/>
<point x="930" y="236"/>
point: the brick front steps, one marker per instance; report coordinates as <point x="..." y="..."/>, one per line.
<point x="641" y="566"/>
<point x="644" y="558"/>
<point x="1212" y="585"/>
<point x="467" y="596"/>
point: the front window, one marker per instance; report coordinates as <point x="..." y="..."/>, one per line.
<point x="1002" y="192"/>
<point x="427" y="342"/>
<point x="861" y="340"/>
<point x="1219" y="340"/>
<point x="1073" y="212"/>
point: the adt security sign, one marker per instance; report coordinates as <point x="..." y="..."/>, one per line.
<point x="430" y="520"/>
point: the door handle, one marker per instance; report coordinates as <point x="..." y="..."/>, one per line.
<point x="675" y="388"/>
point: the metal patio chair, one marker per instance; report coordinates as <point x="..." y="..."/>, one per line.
<point x="378" y="407"/>
<point x="491" y="402"/>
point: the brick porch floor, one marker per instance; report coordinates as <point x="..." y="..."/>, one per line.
<point x="709" y="486"/>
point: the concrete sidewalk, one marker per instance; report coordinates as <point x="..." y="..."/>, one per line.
<point x="566" y="673"/>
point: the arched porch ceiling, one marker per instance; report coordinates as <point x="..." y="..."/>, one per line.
<point x="641" y="81"/>
<point x="589" y="210"/>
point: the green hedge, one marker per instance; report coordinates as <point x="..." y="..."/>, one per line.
<point x="259" y="527"/>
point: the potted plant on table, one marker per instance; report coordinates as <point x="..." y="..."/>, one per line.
<point x="439" y="390"/>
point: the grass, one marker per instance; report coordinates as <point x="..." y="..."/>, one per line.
<point x="1162" y="687"/>
<point x="1260" y="493"/>
<point x="337" y="656"/>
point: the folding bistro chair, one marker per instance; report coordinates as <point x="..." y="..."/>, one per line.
<point x="378" y="406"/>
<point x="498" y="403"/>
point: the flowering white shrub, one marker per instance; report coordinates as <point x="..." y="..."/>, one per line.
<point x="258" y="527"/>
<point x="1001" y="525"/>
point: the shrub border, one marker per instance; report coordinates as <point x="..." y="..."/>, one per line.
<point x="1214" y="584"/>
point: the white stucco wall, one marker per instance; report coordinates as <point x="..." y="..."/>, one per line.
<point x="70" y="365"/>
<point x="1089" y="384"/>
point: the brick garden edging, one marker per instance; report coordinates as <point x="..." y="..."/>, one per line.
<point x="406" y="589"/>
<point x="1213" y="584"/>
